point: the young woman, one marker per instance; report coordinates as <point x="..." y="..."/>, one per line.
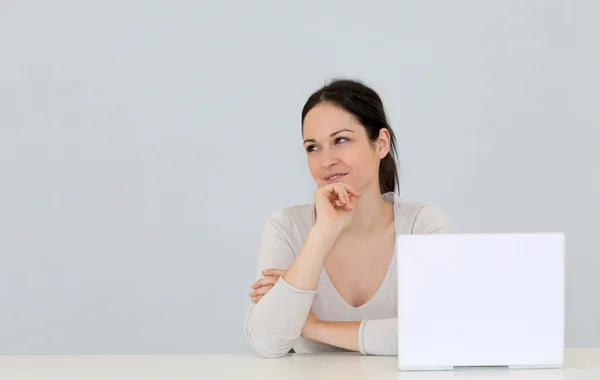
<point x="327" y="270"/>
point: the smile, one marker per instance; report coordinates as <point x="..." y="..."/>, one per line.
<point x="334" y="177"/>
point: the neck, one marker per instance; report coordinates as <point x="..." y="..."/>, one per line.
<point x="371" y="213"/>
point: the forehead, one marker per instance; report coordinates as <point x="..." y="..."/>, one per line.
<point x="326" y="118"/>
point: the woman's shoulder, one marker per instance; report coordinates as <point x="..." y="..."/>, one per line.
<point x="412" y="217"/>
<point x="416" y="217"/>
<point x="295" y="220"/>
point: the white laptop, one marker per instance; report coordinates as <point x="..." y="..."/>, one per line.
<point x="481" y="301"/>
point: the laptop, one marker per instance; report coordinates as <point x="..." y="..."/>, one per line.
<point x="481" y="301"/>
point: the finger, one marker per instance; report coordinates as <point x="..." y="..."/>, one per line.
<point x="260" y="291"/>
<point x="267" y="281"/>
<point x="350" y="189"/>
<point x="256" y="299"/>
<point x="273" y="272"/>
<point x="344" y="197"/>
<point x="345" y="194"/>
<point x="347" y="197"/>
<point x="352" y="202"/>
<point x="331" y="192"/>
<point x="340" y="193"/>
<point x="350" y="196"/>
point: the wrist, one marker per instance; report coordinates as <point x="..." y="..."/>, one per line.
<point x="324" y="237"/>
<point x="326" y="231"/>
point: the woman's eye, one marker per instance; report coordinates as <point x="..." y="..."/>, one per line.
<point x="312" y="148"/>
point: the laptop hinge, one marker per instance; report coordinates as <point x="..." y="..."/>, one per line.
<point x="479" y="367"/>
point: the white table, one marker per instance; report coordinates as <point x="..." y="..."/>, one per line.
<point x="580" y="364"/>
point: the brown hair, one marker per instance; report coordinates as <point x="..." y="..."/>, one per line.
<point x="366" y="105"/>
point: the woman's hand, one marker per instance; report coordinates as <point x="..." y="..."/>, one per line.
<point x="334" y="204"/>
<point x="262" y="286"/>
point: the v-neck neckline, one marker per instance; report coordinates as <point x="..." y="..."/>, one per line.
<point x="389" y="197"/>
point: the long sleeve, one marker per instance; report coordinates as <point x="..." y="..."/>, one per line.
<point x="276" y="321"/>
<point x="380" y="336"/>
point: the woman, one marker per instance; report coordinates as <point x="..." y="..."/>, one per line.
<point x="327" y="270"/>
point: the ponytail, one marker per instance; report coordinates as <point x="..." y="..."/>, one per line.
<point x="388" y="174"/>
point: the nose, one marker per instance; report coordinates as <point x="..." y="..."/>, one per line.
<point x="328" y="158"/>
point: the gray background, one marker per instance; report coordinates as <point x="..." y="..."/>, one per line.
<point x="143" y="144"/>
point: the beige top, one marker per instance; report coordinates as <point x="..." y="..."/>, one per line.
<point x="273" y="326"/>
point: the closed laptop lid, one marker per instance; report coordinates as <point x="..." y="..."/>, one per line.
<point x="480" y="300"/>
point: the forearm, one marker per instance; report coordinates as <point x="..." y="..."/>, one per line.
<point x="305" y="271"/>
<point x="371" y="337"/>
<point x="338" y="334"/>
<point x="276" y="321"/>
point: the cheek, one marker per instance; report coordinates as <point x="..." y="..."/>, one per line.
<point x="363" y="163"/>
<point x="313" y="165"/>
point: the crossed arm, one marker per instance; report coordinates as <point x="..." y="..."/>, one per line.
<point x="280" y="311"/>
<point x="339" y="334"/>
<point x="369" y="337"/>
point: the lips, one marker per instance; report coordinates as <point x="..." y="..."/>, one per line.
<point x="333" y="177"/>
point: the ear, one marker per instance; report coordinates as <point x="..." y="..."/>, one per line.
<point x="383" y="143"/>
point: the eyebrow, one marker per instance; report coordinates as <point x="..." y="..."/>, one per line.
<point x="330" y="135"/>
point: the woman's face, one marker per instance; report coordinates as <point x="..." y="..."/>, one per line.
<point x="338" y="148"/>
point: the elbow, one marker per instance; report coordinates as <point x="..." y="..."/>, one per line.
<point x="268" y="350"/>
<point x="270" y="353"/>
<point x="265" y="343"/>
